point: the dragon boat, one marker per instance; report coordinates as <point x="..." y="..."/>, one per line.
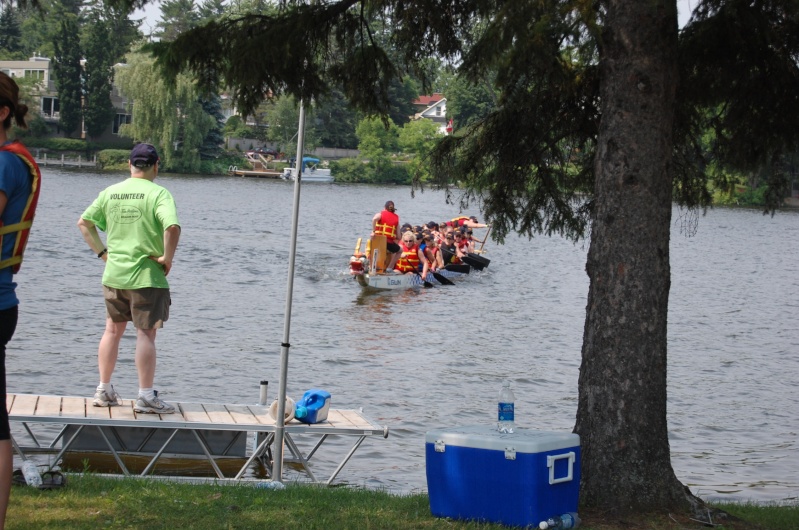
<point x="368" y="267"/>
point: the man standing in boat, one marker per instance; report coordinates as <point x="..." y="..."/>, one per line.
<point x="141" y="223"/>
<point x="386" y="223"/>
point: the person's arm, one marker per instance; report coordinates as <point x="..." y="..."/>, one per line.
<point x="426" y="264"/>
<point x="375" y="219"/>
<point x="92" y="238"/>
<point x="439" y="259"/>
<point x="171" y="237"/>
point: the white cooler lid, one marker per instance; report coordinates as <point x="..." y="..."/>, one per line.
<point x="488" y="437"/>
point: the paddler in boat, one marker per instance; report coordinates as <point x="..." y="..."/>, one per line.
<point x="412" y="256"/>
<point x="449" y="252"/>
<point x="433" y="253"/>
<point x="469" y="222"/>
<point x="386" y="223"/>
<point x="461" y="244"/>
<point x="432" y="227"/>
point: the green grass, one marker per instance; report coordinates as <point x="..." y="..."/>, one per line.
<point x="93" y="502"/>
<point x="771" y="516"/>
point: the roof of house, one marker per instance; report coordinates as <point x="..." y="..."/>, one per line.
<point x="426" y="101"/>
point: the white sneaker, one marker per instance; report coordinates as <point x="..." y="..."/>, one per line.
<point x="153" y="406"/>
<point x="106" y="398"/>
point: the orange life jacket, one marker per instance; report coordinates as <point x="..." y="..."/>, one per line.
<point x="23" y="227"/>
<point x="409" y="261"/>
<point x="387" y="225"/>
<point x="458" y="221"/>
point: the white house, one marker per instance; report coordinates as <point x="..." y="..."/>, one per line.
<point x="434" y="108"/>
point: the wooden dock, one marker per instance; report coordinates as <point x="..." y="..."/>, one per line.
<point x="258" y="173"/>
<point x="62" y="161"/>
<point x="206" y="429"/>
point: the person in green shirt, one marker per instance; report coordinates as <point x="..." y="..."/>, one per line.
<point x="142" y="231"/>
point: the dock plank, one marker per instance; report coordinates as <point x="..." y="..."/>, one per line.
<point x="194" y="412"/>
<point x="261" y="415"/>
<point x="48" y="406"/>
<point x="218" y="414"/>
<point x="356" y="418"/>
<point x="241" y="414"/>
<point x="124" y="411"/>
<point x="24" y="405"/>
<point x="103" y="413"/>
<point x="73" y="407"/>
<point x="337" y="418"/>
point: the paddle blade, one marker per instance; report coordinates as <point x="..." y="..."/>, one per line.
<point x="443" y="280"/>
<point x="458" y="267"/>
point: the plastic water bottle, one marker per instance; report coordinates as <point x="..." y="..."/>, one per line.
<point x="31" y="473"/>
<point x="505" y="409"/>
<point x="270" y="485"/>
<point x="561" y="522"/>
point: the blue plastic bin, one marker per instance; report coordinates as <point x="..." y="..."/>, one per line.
<point x="317" y="403"/>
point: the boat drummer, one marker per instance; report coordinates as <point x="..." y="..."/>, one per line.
<point x="386" y="223"/>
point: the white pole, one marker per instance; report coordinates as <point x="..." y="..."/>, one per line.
<point x="277" y="465"/>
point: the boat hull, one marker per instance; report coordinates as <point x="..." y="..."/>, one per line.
<point x="402" y="281"/>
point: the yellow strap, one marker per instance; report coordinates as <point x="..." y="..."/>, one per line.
<point x="13" y="260"/>
<point x="16" y="227"/>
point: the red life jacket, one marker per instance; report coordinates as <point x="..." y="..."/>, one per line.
<point x="409" y="261"/>
<point x="458" y="221"/>
<point x="23" y="227"/>
<point x="387" y="225"/>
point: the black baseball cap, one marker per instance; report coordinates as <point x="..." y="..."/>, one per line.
<point x="143" y="155"/>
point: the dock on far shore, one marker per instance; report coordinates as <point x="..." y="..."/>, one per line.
<point x="63" y="161"/>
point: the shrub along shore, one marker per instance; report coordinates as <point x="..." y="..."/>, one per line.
<point x="92" y="501"/>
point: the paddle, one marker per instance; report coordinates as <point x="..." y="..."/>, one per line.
<point x="475" y="261"/>
<point x="483" y="242"/>
<point x="443" y="280"/>
<point x="458" y="267"/>
<point x="424" y="282"/>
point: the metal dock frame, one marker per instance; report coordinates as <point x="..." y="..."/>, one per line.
<point x="77" y="413"/>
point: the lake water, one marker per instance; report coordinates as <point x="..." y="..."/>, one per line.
<point x="429" y="358"/>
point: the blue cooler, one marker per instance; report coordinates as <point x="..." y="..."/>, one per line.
<point x="317" y="403"/>
<point x="518" y="479"/>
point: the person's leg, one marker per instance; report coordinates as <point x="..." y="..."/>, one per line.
<point x="108" y="350"/>
<point x="8" y="324"/>
<point x="6" y="470"/>
<point x="145" y="356"/>
<point x="394" y="259"/>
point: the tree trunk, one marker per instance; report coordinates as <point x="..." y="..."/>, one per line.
<point x="621" y="415"/>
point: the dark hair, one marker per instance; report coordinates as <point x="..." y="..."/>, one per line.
<point x="9" y="97"/>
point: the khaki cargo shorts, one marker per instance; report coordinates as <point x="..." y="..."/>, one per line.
<point x="147" y="308"/>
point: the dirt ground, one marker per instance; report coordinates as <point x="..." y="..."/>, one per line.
<point x="598" y="520"/>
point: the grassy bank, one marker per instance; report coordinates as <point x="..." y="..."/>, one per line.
<point x="91" y="502"/>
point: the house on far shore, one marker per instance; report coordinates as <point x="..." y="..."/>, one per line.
<point x="433" y="107"/>
<point x="46" y="104"/>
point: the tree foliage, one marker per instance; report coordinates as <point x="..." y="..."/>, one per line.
<point x="98" y="111"/>
<point x="211" y="147"/>
<point x="10" y="33"/>
<point x="168" y="115"/>
<point x="177" y="16"/>
<point x="68" y="73"/>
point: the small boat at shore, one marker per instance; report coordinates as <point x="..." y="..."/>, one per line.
<point x="310" y="171"/>
<point x="368" y="269"/>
